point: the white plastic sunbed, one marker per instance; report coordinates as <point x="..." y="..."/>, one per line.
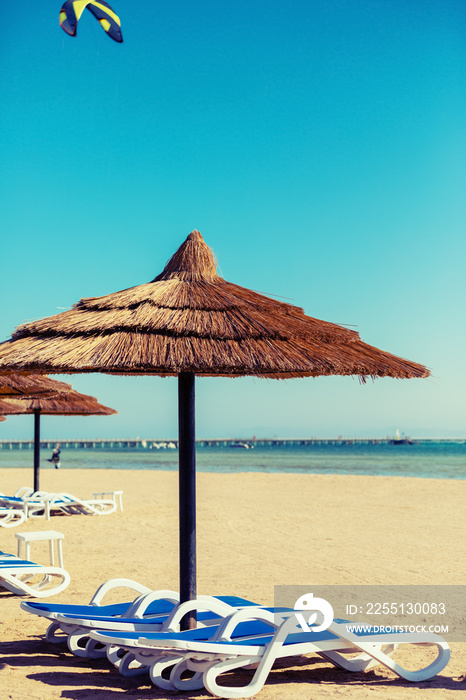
<point x="133" y="654"/>
<point x="32" y="504"/>
<point x="71" y="505"/>
<point x="13" y="502"/>
<point x="11" y="517"/>
<point x="21" y="493"/>
<point x="228" y="650"/>
<point x="23" y="577"/>
<point x="42" y="504"/>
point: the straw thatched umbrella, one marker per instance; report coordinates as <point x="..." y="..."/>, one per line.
<point x="70" y="403"/>
<point x="190" y="321"/>
<point x="2" y="418"/>
<point x="15" y="385"/>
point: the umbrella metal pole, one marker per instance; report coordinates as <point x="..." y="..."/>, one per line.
<point x="187" y="491"/>
<point x="36" y="448"/>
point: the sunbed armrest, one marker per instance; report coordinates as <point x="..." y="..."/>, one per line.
<point x="228" y="626"/>
<point x="116" y="583"/>
<point x="202" y="603"/>
<point x="23" y="492"/>
<point x="140" y="605"/>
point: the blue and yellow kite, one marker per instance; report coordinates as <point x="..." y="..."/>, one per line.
<point x="73" y="9"/>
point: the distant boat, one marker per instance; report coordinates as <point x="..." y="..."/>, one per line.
<point x="400" y="439"/>
<point x="242" y="445"/>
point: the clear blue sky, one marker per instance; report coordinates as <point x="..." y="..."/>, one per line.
<point x="320" y="148"/>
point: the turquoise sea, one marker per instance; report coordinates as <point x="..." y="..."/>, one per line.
<point x="424" y="459"/>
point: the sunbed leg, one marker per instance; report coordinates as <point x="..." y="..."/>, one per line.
<point x="362" y="662"/>
<point x="210" y="676"/>
<point x="95" y="649"/>
<point x="195" y="682"/>
<point x="127" y="670"/>
<point x="51" y="637"/>
<point x="158" y="667"/>
<point x="77" y="643"/>
<point x="115" y="654"/>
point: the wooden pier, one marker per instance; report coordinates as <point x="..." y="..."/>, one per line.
<point x="153" y="444"/>
<point x="140" y="444"/>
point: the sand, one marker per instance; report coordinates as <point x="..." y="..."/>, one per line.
<point x="255" y="531"/>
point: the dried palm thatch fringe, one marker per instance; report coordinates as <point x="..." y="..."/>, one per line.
<point x="188" y="319"/>
<point x="33" y="385"/>
<point x="2" y="418"/>
<point x="69" y="404"/>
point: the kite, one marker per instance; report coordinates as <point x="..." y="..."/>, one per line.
<point x="73" y="9"/>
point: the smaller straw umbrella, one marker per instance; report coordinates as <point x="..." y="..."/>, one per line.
<point x="22" y="385"/>
<point x="67" y="404"/>
<point x="16" y="385"/>
<point x="2" y="418"/>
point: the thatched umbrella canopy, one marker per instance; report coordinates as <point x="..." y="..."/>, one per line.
<point x="15" y="385"/>
<point x="2" y="418"/>
<point x="190" y="321"/>
<point x="70" y="403"/>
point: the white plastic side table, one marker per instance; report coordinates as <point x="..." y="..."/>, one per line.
<point x="113" y="495"/>
<point x="50" y="535"/>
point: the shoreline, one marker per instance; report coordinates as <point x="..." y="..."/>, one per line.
<point x="265" y="472"/>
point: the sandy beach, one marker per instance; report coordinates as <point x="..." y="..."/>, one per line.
<point x="255" y="531"/>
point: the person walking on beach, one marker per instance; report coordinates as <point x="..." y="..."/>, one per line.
<point x="55" y="458"/>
